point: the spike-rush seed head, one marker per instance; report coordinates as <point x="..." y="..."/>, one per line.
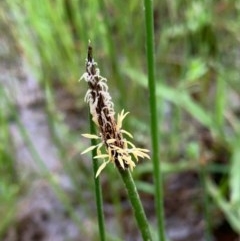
<point x="118" y="150"/>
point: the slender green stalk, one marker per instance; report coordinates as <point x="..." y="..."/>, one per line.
<point x="101" y="109"/>
<point x="98" y="190"/>
<point x="136" y="204"/>
<point x="154" y="118"/>
<point x="203" y="177"/>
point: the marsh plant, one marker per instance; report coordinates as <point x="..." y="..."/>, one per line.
<point x="114" y="147"/>
<point x="118" y="150"/>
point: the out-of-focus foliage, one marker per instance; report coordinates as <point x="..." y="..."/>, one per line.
<point x="197" y="60"/>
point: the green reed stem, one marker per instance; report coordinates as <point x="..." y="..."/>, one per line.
<point x="136" y="204"/>
<point x="205" y="200"/>
<point x="154" y="117"/>
<point x="98" y="190"/>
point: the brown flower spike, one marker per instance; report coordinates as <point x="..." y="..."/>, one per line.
<point x="118" y="149"/>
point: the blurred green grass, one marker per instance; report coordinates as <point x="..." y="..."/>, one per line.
<point x="197" y="72"/>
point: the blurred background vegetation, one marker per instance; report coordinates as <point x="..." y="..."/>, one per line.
<point x="197" y="61"/>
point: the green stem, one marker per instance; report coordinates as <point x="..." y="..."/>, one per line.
<point x="136" y="204"/>
<point x="203" y="178"/>
<point x="154" y="118"/>
<point x="98" y="191"/>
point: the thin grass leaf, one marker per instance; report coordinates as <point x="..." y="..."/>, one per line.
<point x="232" y="216"/>
<point x="178" y="97"/>
<point x="234" y="179"/>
